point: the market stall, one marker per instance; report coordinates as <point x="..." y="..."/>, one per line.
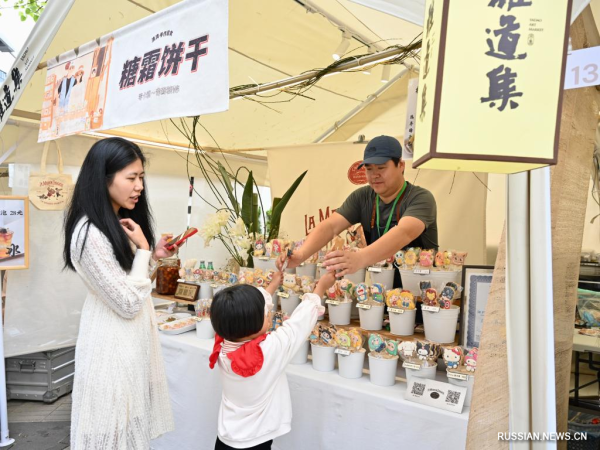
<point x="328" y="411"/>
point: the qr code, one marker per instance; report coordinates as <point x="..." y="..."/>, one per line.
<point x="418" y="389"/>
<point x="453" y="397"/>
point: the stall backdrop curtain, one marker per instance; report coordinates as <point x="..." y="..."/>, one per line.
<point x="460" y="197"/>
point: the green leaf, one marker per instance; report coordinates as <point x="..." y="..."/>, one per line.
<point x="23" y="18"/>
<point x="280" y="206"/>
<point x="255" y="209"/>
<point x="228" y="186"/>
<point x="247" y="202"/>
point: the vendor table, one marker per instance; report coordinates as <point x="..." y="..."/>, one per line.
<point x="588" y="345"/>
<point x="329" y="412"/>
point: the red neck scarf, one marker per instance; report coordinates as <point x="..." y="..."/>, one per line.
<point x="246" y="360"/>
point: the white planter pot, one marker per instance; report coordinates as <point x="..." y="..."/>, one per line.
<point x="219" y="288"/>
<point x="371" y="319"/>
<point x="357" y="277"/>
<point x="204" y="329"/>
<point x="425" y="372"/>
<point x="323" y="358"/>
<point x="440" y="326"/>
<point x="288" y="305"/>
<point x="351" y="366"/>
<point x="307" y="270"/>
<point x="385" y="277"/>
<point x="339" y="314"/>
<point x="301" y="356"/>
<point x="382" y="372"/>
<point x="321" y="271"/>
<point x="468" y="384"/>
<point x="411" y="280"/>
<point x="322" y="316"/>
<point x="206" y="291"/>
<point x="265" y="266"/>
<point x="403" y="324"/>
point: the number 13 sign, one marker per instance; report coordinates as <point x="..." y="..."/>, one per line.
<point x="583" y="68"/>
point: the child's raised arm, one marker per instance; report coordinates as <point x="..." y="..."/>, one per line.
<point x="275" y="283"/>
<point x="325" y="282"/>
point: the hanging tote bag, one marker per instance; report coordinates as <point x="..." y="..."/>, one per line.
<point x="50" y="191"/>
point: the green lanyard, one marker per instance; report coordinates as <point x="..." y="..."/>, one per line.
<point x="389" y="221"/>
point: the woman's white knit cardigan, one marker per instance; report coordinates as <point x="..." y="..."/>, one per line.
<point x="120" y="396"/>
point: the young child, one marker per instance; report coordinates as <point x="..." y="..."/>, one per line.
<point x="256" y="406"/>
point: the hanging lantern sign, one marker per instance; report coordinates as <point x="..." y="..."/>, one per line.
<point x="490" y="85"/>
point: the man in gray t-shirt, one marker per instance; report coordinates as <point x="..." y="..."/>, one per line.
<point x="394" y="214"/>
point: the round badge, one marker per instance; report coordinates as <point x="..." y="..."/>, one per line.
<point x="356" y="175"/>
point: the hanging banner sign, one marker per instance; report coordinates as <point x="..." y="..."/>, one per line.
<point x="501" y="116"/>
<point x="163" y="66"/>
<point x="29" y="56"/>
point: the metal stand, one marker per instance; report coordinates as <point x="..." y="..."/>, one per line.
<point x="5" y="440"/>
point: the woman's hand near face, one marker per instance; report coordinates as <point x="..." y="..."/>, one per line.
<point x="135" y="234"/>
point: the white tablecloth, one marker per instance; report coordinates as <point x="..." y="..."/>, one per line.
<point x="582" y="343"/>
<point x="329" y="412"/>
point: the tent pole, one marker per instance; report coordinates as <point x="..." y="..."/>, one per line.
<point x="370" y="99"/>
<point x="518" y="306"/>
<point x="357" y="63"/>
<point x="31" y="53"/>
<point x="5" y="440"/>
<point x="543" y="383"/>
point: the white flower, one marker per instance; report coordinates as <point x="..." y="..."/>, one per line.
<point x="211" y="228"/>
<point x="223" y="217"/>
<point x="244" y="242"/>
<point x="239" y="228"/>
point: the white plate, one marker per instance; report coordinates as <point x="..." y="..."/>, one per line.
<point x="158" y="302"/>
<point x="185" y="329"/>
<point x="177" y="316"/>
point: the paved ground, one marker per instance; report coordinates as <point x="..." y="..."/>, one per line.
<point x="38" y="426"/>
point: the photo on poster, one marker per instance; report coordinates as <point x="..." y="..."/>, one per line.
<point x="75" y="93"/>
<point x="476" y="281"/>
<point x="14" y="233"/>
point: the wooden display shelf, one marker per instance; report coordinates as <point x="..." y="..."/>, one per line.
<point x="355" y="323"/>
<point x="170" y="298"/>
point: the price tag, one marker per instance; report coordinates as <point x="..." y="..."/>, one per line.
<point x="283" y="295"/>
<point x="408" y="365"/>
<point x="332" y="302"/>
<point x="264" y="258"/>
<point x="396" y="310"/>
<point x="374" y="269"/>
<point x="421" y="271"/>
<point x="434" y="309"/>
<point x="458" y="376"/>
<point x="214" y="285"/>
<point x="319" y="264"/>
<point x="361" y="306"/>
<point x="343" y="352"/>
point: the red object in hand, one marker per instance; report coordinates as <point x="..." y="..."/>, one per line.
<point x="181" y="238"/>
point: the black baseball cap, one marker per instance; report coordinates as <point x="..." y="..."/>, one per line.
<point x="381" y="149"/>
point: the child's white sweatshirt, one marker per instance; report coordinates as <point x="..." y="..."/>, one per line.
<point x="258" y="408"/>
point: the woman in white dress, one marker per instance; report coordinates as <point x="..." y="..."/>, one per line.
<point x="120" y="396"/>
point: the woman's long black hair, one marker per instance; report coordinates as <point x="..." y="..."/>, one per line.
<point x="92" y="200"/>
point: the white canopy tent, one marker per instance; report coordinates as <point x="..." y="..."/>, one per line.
<point x="269" y="40"/>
